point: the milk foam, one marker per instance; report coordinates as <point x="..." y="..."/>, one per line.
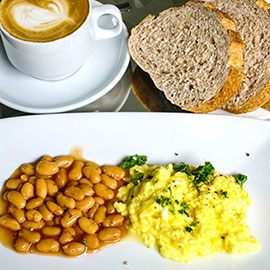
<point x="40" y="18"/>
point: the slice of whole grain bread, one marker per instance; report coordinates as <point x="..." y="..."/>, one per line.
<point x="192" y="53"/>
<point x="253" y="23"/>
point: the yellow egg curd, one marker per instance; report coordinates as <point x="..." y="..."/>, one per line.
<point x="185" y="216"/>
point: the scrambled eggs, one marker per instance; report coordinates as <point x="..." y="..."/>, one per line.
<point x="183" y="218"/>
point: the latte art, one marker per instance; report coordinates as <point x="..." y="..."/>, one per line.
<point x="35" y="18"/>
<point x="42" y="20"/>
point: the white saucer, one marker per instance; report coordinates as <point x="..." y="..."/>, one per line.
<point x="98" y="76"/>
<point x="113" y="101"/>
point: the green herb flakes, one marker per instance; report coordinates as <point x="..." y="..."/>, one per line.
<point x="182" y="211"/>
<point x="188" y="229"/>
<point x="240" y="179"/>
<point x="163" y="201"/>
<point x="224" y="193"/>
<point x="182" y="167"/>
<point x="203" y="173"/>
<point x="133" y="160"/>
<point x="184" y="205"/>
<point x="171" y="200"/>
<point x="138" y="176"/>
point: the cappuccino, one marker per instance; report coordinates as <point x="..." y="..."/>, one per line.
<point x="42" y="20"/>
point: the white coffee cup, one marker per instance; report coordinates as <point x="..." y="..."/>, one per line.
<point x="56" y="60"/>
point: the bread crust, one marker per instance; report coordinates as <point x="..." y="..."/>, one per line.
<point x="235" y="63"/>
<point x="262" y="97"/>
<point x="236" y="75"/>
<point x="266" y="106"/>
<point x="263" y="4"/>
<point x="147" y="20"/>
<point x="228" y="91"/>
<point x="260" y="100"/>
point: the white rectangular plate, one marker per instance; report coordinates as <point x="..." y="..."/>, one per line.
<point x="107" y="138"/>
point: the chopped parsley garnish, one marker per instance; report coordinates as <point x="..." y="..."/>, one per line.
<point x="193" y="224"/>
<point x="171" y="200"/>
<point x="163" y="201"/>
<point x="134" y="181"/>
<point x="184" y="209"/>
<point x="184" y="205"/>
<point x="240" y="179"/>
<point x="138" y="176"/>
<point x="203" y="173"/>
<point x="224" y="193"/>
<point x="133" y="160"/>
<point x="182" y="167"/>
<point x="188" y="229"/>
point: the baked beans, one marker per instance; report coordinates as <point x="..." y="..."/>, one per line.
<point x="62" y="206"/>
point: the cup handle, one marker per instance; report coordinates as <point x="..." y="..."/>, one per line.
<point x="99" y="32"/>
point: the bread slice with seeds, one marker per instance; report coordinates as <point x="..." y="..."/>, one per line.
<point x="252" y="21"/>
<point x="192" y="53"/>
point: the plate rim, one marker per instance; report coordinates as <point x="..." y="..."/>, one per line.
<point x="173" y="114"/>
<point x="103" y="116"/>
